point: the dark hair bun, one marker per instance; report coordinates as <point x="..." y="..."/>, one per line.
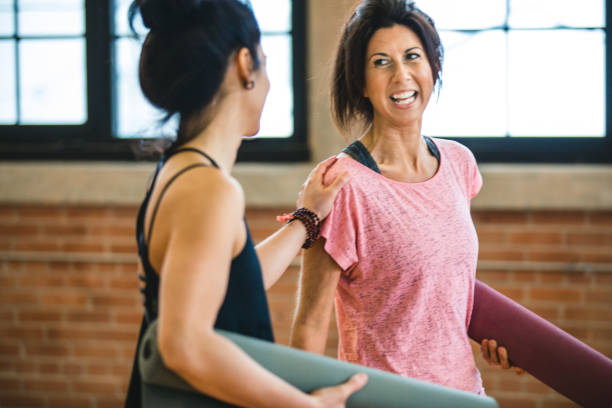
<point x="168" y="15"/>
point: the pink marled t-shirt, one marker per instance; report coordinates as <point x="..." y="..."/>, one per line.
<point x="408" y="253"/>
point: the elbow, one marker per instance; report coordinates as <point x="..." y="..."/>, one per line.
<point x="177" y="351"/>
<point x="173" y="351"/>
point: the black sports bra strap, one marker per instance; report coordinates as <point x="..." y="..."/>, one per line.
<point x="190" y="149"/>
<point x="359" y="152"/>
<point x="161" y="195"/>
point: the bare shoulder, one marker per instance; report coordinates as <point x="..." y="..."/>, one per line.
<point x="205" y="193"/>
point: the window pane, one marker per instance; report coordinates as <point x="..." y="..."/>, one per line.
<point x="466" y="14"/>
<point x="273" y="15"/>
<point x="473" y="95"/>
<point x="552" y="13"/>
<point x="557" y="83"/>
<point x="52" y="81"/>
<point x="277" y="116"/>
<point x="7" y="26"/>
<point x="136" y="116"/>
<point x="8" y="108"/>
<point x="37" y="17"/>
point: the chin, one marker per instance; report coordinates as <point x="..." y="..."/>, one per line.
<point x="252" y="132"/>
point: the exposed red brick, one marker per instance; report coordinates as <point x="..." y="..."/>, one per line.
<point x="560" y="217"/>
<point x="603" y="314"/>
<point x="42" y="349"/>
<point x="9" y="349"/>
<point x="499" y="217"/>
<point x="49" y="368"/>
<point x="10" y="383"/>
<point x="31" y="333"/>
<point x="535" y="237"/>
<point x="64" y="299"/>
<point x="21" y="400"/>
<point x="41" y="280"/>
<point x="99" y="386"/>
<point x="554" y="256"/>
<point x="130" y="248"/>
<point x="116" y="300"/>
<point x="97" y="351"/>
<point x="492" y="254"/>
<point x="45" y="385"/>
<point x="69" y="402"/>
<point x="601" y="218"/>
<point x="97" y="316"/>
<point x="514" y="402"/>
<point x="82" y="247"/>
<point x="37" y="246"/>
<point x="590" y="239"/>
<point x="19" y="230"/>
<point x="557" y="295"/>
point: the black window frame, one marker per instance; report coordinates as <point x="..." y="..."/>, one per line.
<point x="94" y="139"/>
<point x="567" y="150"/>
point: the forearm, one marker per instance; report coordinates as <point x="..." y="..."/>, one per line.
<point x="278" y="251"/>
<point x="309" y="337"/>
<point x="219" y="368"/>
<point x="318" y="280"/>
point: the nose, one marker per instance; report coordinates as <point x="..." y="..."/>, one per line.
<point x="402" y="73"/>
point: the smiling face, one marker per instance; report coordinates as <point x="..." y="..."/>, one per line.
<point x="398" y="77"/>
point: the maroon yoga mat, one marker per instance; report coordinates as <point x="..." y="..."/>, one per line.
<point x="543" y="350"/>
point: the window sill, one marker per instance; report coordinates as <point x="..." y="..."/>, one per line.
<point x="506" y="186"/>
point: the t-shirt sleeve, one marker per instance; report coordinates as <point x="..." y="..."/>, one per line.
<point x="339" y="231"/>
<point x="474" y="176"/>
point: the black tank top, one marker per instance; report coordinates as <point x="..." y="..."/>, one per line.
<point x="244" y="309"/>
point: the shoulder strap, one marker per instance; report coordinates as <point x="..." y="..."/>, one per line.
<point x="190" y="149"/>
<point x="433" y="149"/>
<point x="161" y="195"/>
<point x="359" y="152"/>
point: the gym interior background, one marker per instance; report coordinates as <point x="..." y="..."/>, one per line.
<point x="69" y="303"/>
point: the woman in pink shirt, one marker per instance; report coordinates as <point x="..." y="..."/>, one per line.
<point x="399" y="248"/>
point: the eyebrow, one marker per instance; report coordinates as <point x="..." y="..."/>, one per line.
<point x="386" y="55"/>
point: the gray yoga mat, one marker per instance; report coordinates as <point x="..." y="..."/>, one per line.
<point x="306" y="371"/>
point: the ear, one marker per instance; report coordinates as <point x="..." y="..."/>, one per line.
<point x="244" y="62"/>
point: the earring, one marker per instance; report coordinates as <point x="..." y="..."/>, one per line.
<point x="249" y="84"/>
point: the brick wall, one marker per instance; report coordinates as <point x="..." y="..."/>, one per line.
<point x="70" y="309"/>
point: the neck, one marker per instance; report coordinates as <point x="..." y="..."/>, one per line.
<point x="222" y="136"/>
<point x="391" y="146"/>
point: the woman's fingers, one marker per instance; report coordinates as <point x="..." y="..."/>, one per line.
<point x="503" y="357"/>
<point x="493" y="352"/>
<point x="484" y="349"/>
<point x="339" y="182"/>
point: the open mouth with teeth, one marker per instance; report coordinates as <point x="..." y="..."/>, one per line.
<point x="404" y="98"/>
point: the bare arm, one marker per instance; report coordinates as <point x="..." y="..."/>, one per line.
<point x="277" y="251"/>
<point x="194" y="276"/>
<point x="318" y="280"/>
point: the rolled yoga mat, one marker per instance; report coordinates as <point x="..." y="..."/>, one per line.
<point x="543" y="350"/>
<point x="306" y="371"/>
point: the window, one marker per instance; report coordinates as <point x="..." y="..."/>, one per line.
<point x="70" y="87"/>
<point x="523" y="80"/>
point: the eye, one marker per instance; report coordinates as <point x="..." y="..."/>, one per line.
<point x="412" y="55"/>
<point x="381" y="62"/>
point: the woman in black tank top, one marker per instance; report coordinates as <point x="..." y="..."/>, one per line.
<point x="202" y="61"/>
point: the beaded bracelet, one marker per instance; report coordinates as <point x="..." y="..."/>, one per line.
<point x="310" y="221"/>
